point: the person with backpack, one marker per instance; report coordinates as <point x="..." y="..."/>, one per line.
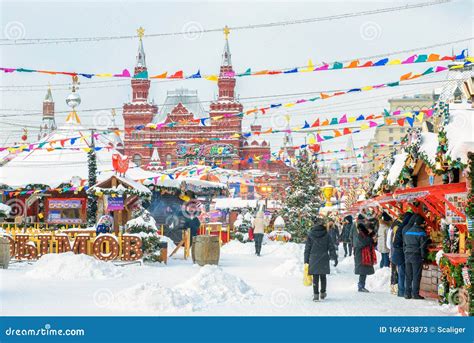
<point x="319" y="248"/>
<point x="414" y="247"/>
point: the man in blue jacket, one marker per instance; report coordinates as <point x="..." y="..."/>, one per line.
<point x="414" y="247"/>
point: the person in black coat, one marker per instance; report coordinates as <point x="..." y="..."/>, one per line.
<point x="346" y="235"/>
<point x="317" y="252"/>
<point x="364" y="241"/>
<point x="414" y="246"/>
<point x="193" y="223"/>
<point x="333" y="232"/>
<point x="398" y="257"/>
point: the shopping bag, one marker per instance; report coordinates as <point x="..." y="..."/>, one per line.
<point x="307" y="279"/>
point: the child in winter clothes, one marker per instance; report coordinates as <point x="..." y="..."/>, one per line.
<point x="318" y="250"/>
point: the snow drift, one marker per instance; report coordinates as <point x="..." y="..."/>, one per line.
<point x="70" y="266"/>
<point x="211" y="285"/>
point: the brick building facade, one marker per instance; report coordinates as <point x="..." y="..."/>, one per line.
<point x="205" y="137"/>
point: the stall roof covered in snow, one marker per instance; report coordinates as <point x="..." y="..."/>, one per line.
<point x="379" y="180"/>
<point x="120" y="188"/>
<point x="396" y="168"/>
<point x="460" y="130"/>
<point x="429" y="145"/>
<point x="70" y="164"/>
<point x="234" y="203"/>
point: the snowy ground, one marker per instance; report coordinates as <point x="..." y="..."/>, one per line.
<point x="243" y="284"/>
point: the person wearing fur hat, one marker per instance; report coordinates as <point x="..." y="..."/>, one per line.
<point x="364" y="253"/>
<point x="319" y="249"/>
<point x="384" y="225"/>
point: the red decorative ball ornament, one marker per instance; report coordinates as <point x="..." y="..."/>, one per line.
<point x="315" y="148"/>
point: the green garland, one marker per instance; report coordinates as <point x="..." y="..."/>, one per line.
<point x="470" y="219"/>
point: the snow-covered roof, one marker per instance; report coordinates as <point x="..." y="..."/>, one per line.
<point x="5" y="208"/>
<point x="429" y="145"/>
<point x="460" y="130"/>
<point x="396" y="168"/>
<point x="127" y="181"/>
<point x="55" y="167"/>
<point x="226" y="203"/>
<point x="230" y="203"/>
<point x="379" y="181"/>
<point x="188" y="98"/>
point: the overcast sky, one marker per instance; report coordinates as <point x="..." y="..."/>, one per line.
<point x="264" y="48"/>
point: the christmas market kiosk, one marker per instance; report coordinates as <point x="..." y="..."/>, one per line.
<point x="434" y="176"/>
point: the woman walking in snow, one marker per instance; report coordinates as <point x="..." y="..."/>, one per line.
<point x="317" y="252"/>
<point x="258" y="231"/>
<point x="364" y="253"/>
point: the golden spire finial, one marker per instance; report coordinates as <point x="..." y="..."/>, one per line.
<point x="140" y="32"/>
<point x="226" y="32"/>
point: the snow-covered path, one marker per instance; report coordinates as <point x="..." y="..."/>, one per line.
<point x="269" y="285"/>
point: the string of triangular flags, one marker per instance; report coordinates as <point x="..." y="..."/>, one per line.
<point x="354" y="64"/>
<point x="264" y="110"/>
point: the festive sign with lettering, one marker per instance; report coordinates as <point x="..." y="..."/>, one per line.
<point x="114" y="203"/>
<point x="210" y="150"/>
<point x="105" y="247"/>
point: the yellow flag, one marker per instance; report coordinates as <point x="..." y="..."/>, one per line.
<point x="310" y="66"/>
<point x="211" y="78"/>
<point x="396" y="61"/>
<point x="420" y="117"/>
<point x="351" y="119"/>
<point x="290" y="104"/>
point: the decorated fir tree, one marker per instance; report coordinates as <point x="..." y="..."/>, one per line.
<point x="303" y="199"/>
<point x="144" y="225"/>
<point x="243" y="224"/>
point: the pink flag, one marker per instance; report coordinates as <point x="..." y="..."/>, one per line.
<point x="439" y="68"/>
<point x="372" y="124"/>
<point x="410" y="59"/>
<point x="125" y="73"/>
<point x="324" y="67"/>
<point x="343" y="119"/>
<point x="429" y="112"/>
<point x="319" y="138"/>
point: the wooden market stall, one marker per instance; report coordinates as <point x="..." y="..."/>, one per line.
<point x="433" y="176"/>
<point x="118" y="196"/>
